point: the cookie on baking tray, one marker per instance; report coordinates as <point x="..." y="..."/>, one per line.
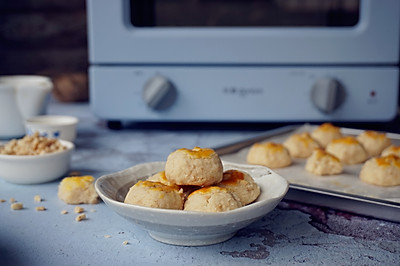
<point x="382" y="171"/>
<point x="348" y="150"/>
<point x="155" y="195"/>
<point x="392" y="149"/>
<point x="323" y="163"/>
<point x="241" y="184"/>
<point x="212" y="199"/>
<point x="195" y="167"/>
<point x="325" y="133"/>
<point x="374" y="142"/>
<point x="301" y="145"/>
<point x="270" y="154"/>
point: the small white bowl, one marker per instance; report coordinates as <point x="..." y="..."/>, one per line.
<point x="53" y="126"/>
<point x="36" y="169"/>
<point x="188" y="228"/>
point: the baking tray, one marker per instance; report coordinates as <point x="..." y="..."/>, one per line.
<point x="344" y="192"/>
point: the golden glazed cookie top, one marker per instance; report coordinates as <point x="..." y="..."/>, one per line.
<point x="198" y="152"/>
<point x="73" y="182"/>
<point x="388" y="161"/>
<point x="391" y="150"/>
<point x="305" y="138"/>
<point x="328" y="127"/>
<point x="156" y="186"/>
<point x="374" y="134"/>
<point x="232" y="177"/>
<point x="270" y="145"/>
<point x="207" y="190"/>
<point x="349" y="140"/>
<point x="394" y="148"/>
<point x="320" y="153"/>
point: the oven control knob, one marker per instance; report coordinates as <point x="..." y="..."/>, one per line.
<point x="327" y="94"/>
<point x="159" y="93"/>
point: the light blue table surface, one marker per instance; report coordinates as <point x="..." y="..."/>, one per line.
<point x="292" y="234"/>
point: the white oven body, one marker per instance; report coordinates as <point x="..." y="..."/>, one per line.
<point x="252" y="74"/>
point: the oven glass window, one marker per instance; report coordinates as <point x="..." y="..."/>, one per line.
<point x="244" y="13"/>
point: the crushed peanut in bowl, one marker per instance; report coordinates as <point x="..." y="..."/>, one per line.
<point x="32" y="145"/>
<point x="35" y="159"/>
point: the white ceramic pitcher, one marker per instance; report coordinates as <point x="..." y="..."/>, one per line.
<point x="21" y="97"/>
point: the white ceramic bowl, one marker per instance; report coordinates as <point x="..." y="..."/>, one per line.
<point x="36" y="169"/>
<point x="189" y="228"/>
<point x="53" y="126"/>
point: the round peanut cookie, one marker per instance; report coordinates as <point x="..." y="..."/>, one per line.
<point x="155" y="195"/>
<point x="374" y="142"/>
<point x="78" y="190"/>
<point x="325" y="133"/>
<point x="323" y="163"/>
<point x="242" y="185"/>
<point x="272" y="155"/>
<point x="392" y="149"/>
<point x="381" y="171"/>
<point x="348" y="150"/>
<point x="212" y="199"/>
<point x="301" y="145"/>
<point x="196" y="167"/>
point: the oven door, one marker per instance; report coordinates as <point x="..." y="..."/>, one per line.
<point x="372" y="37"/>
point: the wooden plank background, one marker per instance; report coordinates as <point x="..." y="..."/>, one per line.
<point x="46" y="37"/>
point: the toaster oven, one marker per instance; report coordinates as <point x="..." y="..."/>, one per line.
<point x="244" y="60"/>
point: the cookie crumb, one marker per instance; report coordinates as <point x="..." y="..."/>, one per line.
<point x="37" y="198"/>
<point x="64" y="212"/>
<point x="80" y="217"/>
<point x="125" y="242"/>
<point x="12" y="200"/>
<point x="78" y="209"/>
<point x="40" y="208"/>
<point x="107" y="236"/>
<point x="17" y="206"/>
<point x="2" y="200"/>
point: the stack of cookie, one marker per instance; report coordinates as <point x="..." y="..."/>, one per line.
<point x="194" y="180"/>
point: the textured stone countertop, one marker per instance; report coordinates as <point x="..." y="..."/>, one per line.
<point x="292" y="234"/>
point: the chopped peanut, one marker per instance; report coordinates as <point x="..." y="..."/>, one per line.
<point x="40" y="208"/>
<point x="80" y="217"/>
<point x="32" y="145"/>
<point x="37" y="198"/>
<point x="17" y="206"/>
<point x="64" y="212"/>
<point x="12" y="200"/>
<point x="2" y="200"/>
<point x="78" y="209"/>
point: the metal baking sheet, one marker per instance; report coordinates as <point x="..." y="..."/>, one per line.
<point x="344" y="192"/>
